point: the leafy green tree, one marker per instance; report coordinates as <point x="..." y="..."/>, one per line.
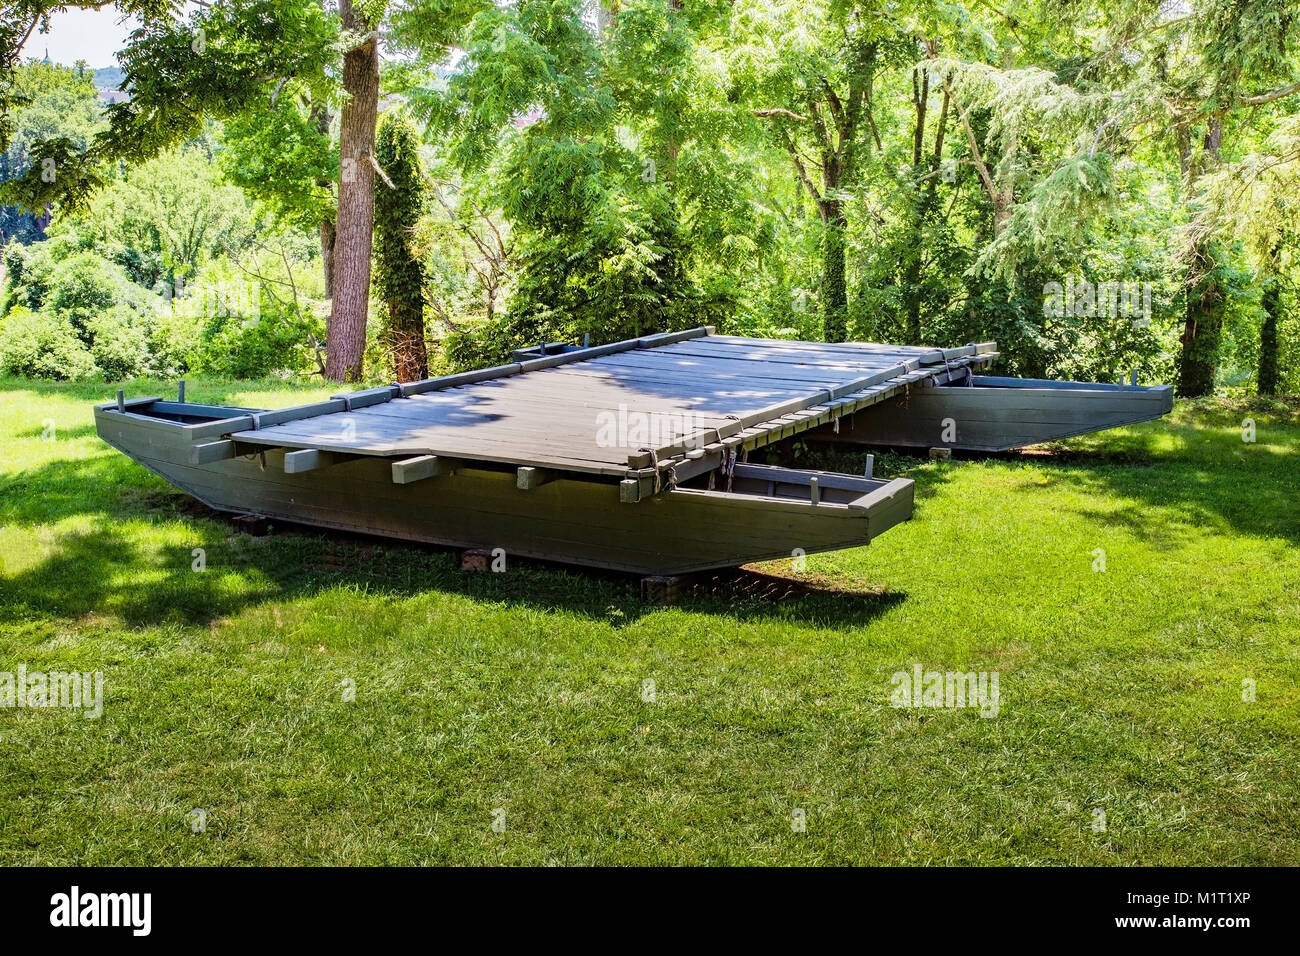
<point x="57" y="102"/>
<point x="165" y="218"/>
<point x="20" y="20"/>
<point x="227" y="60"/>
<point x="1174" y="83"/>
<point x="599" y="246"/>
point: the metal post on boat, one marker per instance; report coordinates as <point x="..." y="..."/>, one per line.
<point x="1133" y="376"/>
<point x="870" y="466"/>
<point x="121" y="400"/>
<point x="586" y="339"/>
<point x="180" y="392"/>
<point x="814" y="491"/>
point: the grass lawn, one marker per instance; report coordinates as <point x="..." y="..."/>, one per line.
<point x="519" y="697"/>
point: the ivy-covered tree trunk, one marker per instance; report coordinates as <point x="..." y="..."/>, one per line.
<point x="399" y="270"/>
<point x="835" y="296"/>
<point x="1203" y="320"/>
<point x="346" y="335"/>
<point x="1202" y="332"/>
<point x="1271" y="302"/>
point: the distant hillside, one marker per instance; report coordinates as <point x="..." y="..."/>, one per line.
<point x="109" y="77"/>
<point x="107" y="81"/>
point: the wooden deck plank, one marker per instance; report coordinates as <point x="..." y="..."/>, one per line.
<point x="722" y="365"/>
<point x="801" y="352"/>
<point x="551" y="418"/>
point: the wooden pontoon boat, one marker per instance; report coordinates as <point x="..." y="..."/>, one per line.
<point x="629" y="456"/>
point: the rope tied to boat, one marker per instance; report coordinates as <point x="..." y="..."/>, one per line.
<point x="729" y="467"/>
<point x="654" y="463"/>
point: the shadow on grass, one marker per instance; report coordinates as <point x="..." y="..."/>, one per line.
<point x="1193" y="464"/>
<point x="135" y="561"/>
<point x="82" y="431"/>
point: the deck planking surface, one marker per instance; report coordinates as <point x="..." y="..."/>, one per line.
<point x="551" y="417"/>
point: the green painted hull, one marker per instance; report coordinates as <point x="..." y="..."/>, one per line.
<point x="768" y="514"/>
<point x="998" y="414"/>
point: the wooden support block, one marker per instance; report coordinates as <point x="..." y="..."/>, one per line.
<point x="421" y="467"/>
<point x="629" y="491"/>
<point x="661" y="589"/>
<point x="941" y="454"/>
<point x="476" y="559"/>
<point x="527" y="477"/>
<point x="259" y="526"/>
<point x="210" y="451"/>
<point x="309" y="459"/>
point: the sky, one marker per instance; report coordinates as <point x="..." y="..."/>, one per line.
<point x="90" y="35"/>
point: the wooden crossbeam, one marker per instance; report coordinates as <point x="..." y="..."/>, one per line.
<point x="208" y="452"/>
<point x="309" y="459"/>
<point x="410" y="470"/>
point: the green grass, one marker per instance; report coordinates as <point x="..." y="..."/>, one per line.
<point x="522" y="691"/>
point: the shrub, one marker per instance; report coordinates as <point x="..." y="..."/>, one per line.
<point x="82" y="289"/>
<point x="235" y="346"/>
<point x="41" y="346"/>
<point x="120" y="344"/>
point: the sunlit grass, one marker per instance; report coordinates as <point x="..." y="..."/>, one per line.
<point x="526" y="692"/>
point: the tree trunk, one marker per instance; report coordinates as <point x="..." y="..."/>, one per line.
<point x="327" y="254"/>
<point x="1202" y="330"/>
<point x="835" y="298"/>
<point x="406" y="341"/>
<point x="1271" y="301"/>
<point x="1203" y="324"/>
<point x="322" y="117"/>
<point x="346" y="335"/>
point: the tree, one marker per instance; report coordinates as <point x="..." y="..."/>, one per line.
<point x="599" y="244"/>
<point x="286" y="158"/>
<point x="817" y="92"/>
<point x="164" y="219"/>
<point x="57" y="102"/>
<point x="356" y="220"/>
<point x="20" y="20"/>
<point x="399" y="269"/>
<point x="233" y="59"/>
<point x="1181" y="79"/>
